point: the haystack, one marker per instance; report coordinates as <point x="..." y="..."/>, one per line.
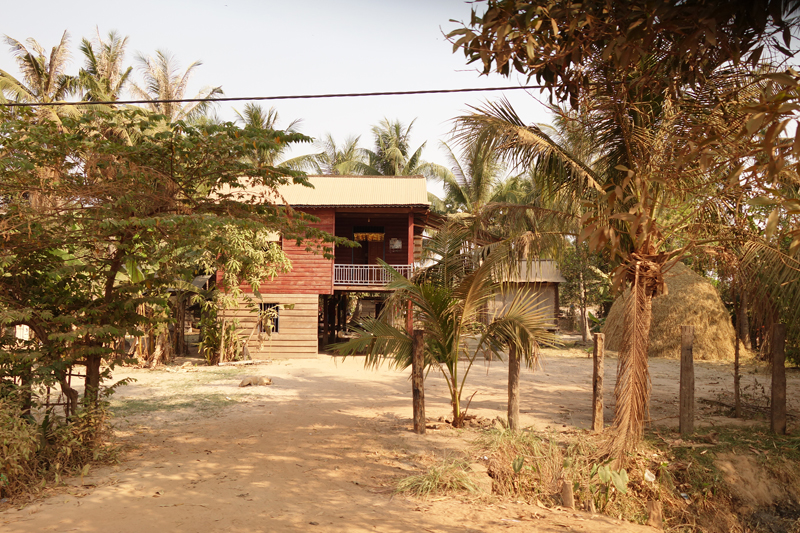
<point x="691" y="301"/>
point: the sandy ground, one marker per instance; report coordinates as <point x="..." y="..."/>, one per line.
<point x="319" y="449"/>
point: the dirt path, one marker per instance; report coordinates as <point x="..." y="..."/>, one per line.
<point x="317" y="450"/>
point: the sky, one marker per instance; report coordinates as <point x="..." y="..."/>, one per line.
<point x="280" y="47"/>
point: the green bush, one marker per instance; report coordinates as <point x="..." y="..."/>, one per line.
<point x="37" y="452"/>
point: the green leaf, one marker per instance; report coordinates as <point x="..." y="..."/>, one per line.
<point x="604" y="473"/>
<point x="517" y="463"/>
<point x="620" y="480"/>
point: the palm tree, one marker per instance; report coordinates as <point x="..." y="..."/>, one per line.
<point x="255" y="116"/>
<point x="473" y="181"/>
<point x="103" y="76"/>
<point x="347" y="159"/>
<point x="449" y="299"/>
<point x="163" y="81"/>
<point x="44" y="78"/>
<point x="392" y="155"/>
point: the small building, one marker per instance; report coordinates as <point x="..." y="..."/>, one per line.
<point x="386" y="215"/>
<point x="541" y="280"/>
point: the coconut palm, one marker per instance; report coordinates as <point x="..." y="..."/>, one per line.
<point x="163" y="81"/>
<point x="474" y="180"/>
<point x="338" y="160"/>
<point x="103" y="76"/>
<point x="449" y="299"/>
<point x="44" y="78"/>
<point x="392" y="155"/>
<point x="255" y="116"/>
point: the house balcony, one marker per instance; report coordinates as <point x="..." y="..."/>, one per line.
<point x="365" y="277"/>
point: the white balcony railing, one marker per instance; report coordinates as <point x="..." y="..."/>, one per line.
<point x="366" y="274"/>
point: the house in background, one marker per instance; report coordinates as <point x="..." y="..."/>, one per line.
<point x="386" y="215"/>
<point x="540" y="280"/>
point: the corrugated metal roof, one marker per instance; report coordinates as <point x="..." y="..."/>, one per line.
<point x="354" y="191"/>
<point x="544" y="271"/>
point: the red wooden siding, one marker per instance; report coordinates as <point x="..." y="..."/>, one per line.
<point x="311" y="273"/>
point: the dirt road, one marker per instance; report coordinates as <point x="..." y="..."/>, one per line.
<point x="318" y="450"/>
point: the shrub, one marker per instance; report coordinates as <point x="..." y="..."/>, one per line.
<point x="37" y="452"/>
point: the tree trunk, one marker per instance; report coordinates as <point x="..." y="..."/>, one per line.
<point x="26" y="380"/>
<point x="456" y="403"/>
<point x="417" y="381"/>
<point x="744" y="322"/>
<point x="513" y="388"/>
<point x="584" y="324"/>
<point x="92" y="392"/>
<point x="737" y="400"/>
<point x="179" y="347"/>
<point x="71" y="407"/>
<point x="598" y="372"/>
<point x="584" y="317"/>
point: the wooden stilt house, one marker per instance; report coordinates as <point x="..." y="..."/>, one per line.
<point x="386" y="215"/>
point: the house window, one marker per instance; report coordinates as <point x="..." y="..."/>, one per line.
<point x="274" y="237"/>
<point x="269" y="318"/>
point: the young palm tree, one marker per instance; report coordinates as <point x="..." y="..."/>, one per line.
<point x="449" y="299"/>
<point x="103" y="77"/>
<point x="44" y="77"/>
<point x="163" y="81"/>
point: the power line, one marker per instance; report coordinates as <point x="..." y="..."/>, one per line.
<point x="281" y="97"/>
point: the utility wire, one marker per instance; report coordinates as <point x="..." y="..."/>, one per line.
<point x="281" y="97"/>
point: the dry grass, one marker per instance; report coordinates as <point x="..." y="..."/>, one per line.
<point x="691" y="301"/>
<point x="534" y="466"/>
<point x="446" y="476"/>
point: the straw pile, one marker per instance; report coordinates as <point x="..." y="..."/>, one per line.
<point x="691" y="301"/>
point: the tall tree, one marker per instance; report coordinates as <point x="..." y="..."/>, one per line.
<point x="125" y="223"/>
<point x="44" y="77"/>
<point x="162" y="80"/>
<point x="650" y="76"/>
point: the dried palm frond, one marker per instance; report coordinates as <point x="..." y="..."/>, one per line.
<point x="632" y="390"/>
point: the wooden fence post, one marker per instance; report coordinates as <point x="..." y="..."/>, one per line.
<point x="417" y="380"/>
<point x="597" y="382"/>
<point x="686" y="424"/>
<point x="778" y="411"/>
<point x="513" y="387"/>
